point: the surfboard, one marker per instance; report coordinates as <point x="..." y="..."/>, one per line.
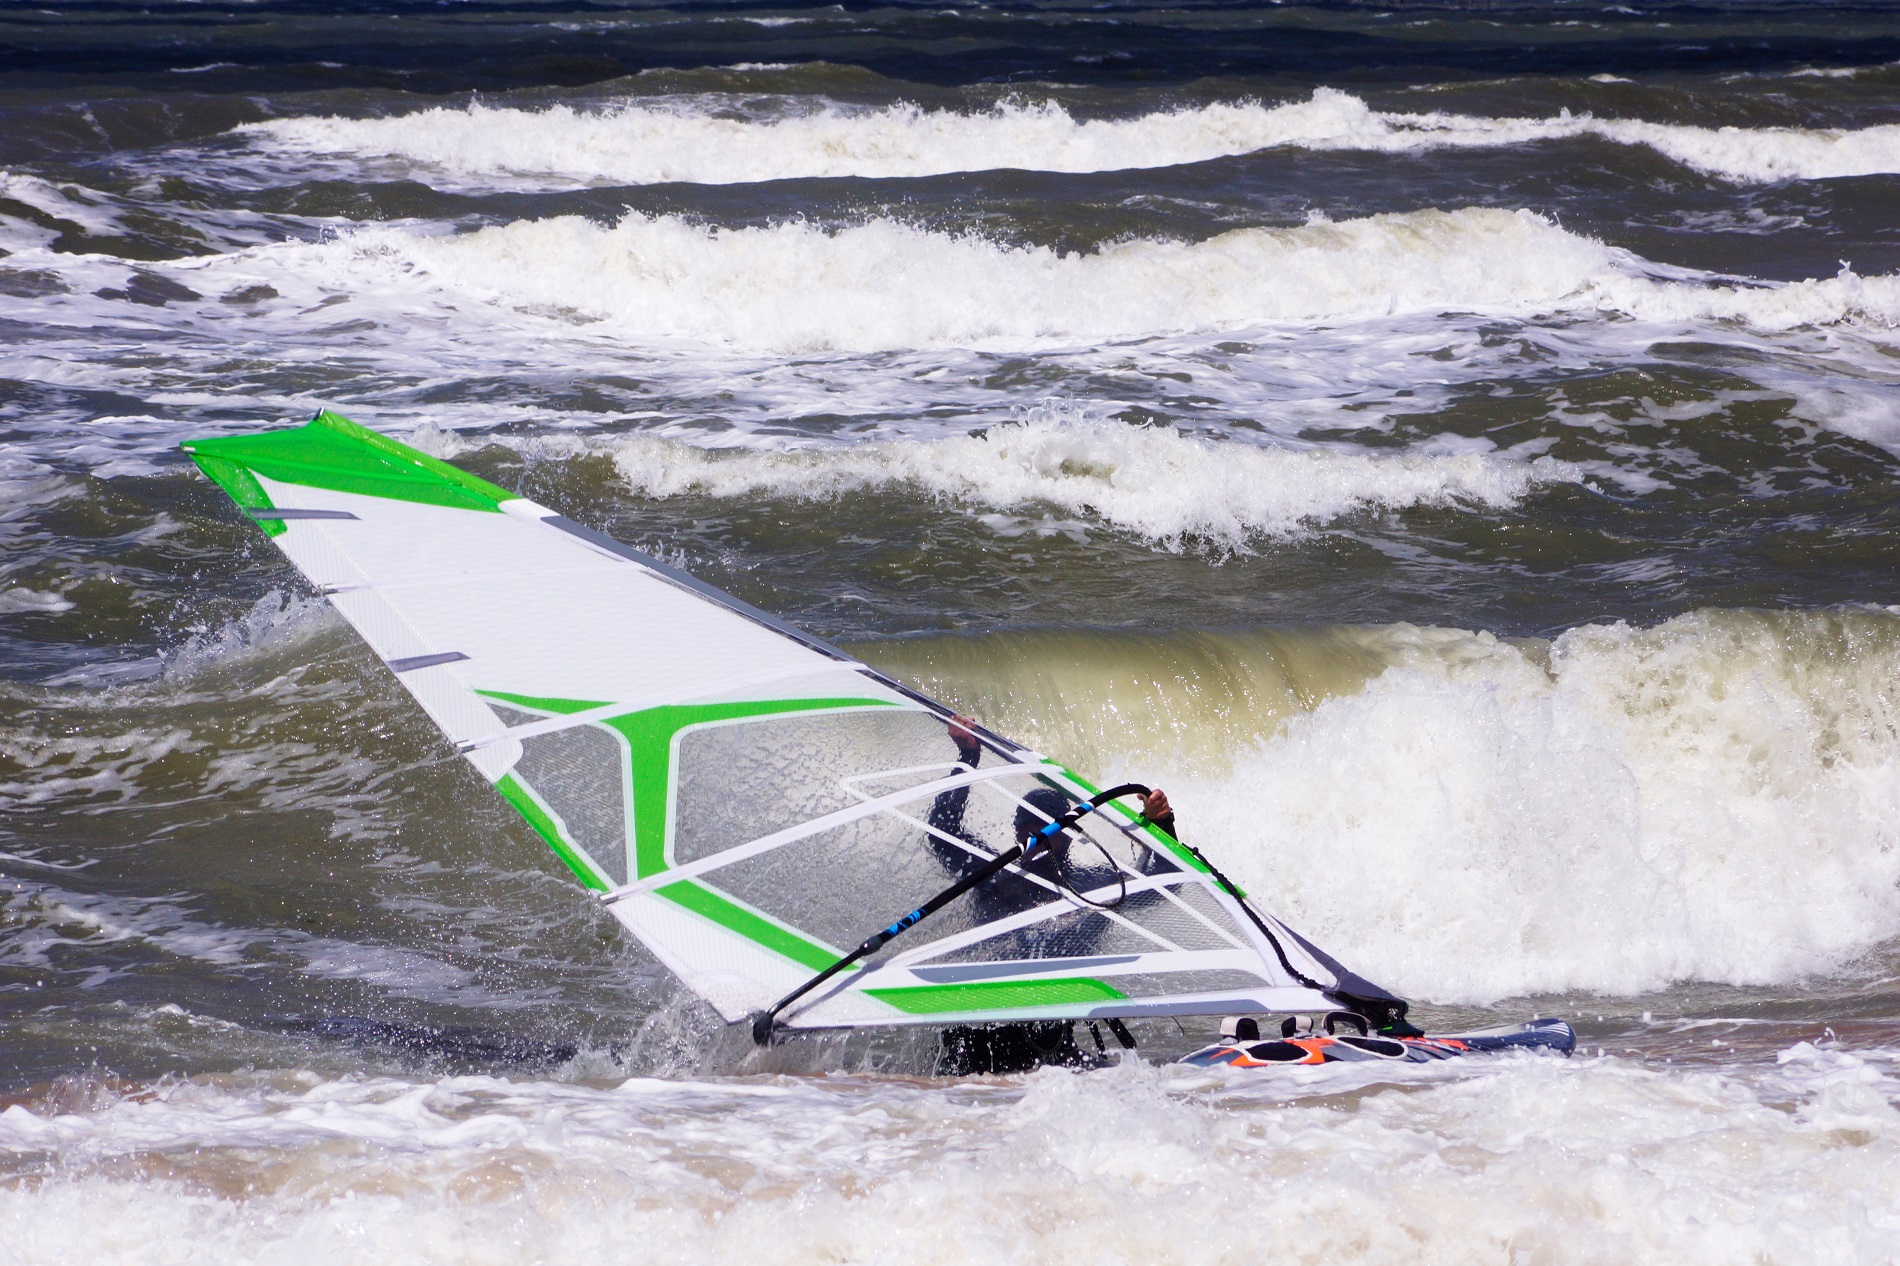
<point x="1305" y="1048"/>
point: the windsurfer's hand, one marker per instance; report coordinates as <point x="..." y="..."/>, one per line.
<point x="1155" y="806"/>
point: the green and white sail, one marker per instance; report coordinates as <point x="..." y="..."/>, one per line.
<point x="750" y="801"/>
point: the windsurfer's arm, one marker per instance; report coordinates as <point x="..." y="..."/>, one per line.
<point x="946" y="811"/>
<point x="963" y="734"/>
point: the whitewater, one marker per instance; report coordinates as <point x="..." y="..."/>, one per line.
<point x="1323" y="319"/>
<point x="1126" y="1165"/>
<point x="1547" y="762"/>
<point x="720" y="140"/>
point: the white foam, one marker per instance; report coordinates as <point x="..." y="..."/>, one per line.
<point x="1153" y="481"/>
<point x="1860" y="409"/>
<point x="1839" y="72"/>
<point x="720" y="140"/>
<point x="906" y="331"/>
<point x="1519" y="1159"/>
<point x="18" y="599"/>
<point x="63" y="204"/>
<point x="53" y="927"/>
<point x="1717" y="798"/>
<point x="274" y="620"/>
<point x="53" y="919"/>
<point x="884" y="285"/>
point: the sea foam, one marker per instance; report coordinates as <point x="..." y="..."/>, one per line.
<point x="887" y="285"/>
<point x="1152" y="481"/>
<point x="1296" y="330"/>
<point x="707" y="141"/>
<point x="1466" y="819"/>
<point x="1514" y="1159"/>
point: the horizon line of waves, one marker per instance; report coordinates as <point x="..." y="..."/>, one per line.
<point x="1168" y="488"/>
<point x="795" y="288"/>
<point x="1465" y="819"/>
<point x="699" y="141"/>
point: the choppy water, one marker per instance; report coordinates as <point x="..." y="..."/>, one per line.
<point x="1453" y="448"/>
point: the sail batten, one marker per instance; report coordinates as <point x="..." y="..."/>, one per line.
<point x="748" y="800"/>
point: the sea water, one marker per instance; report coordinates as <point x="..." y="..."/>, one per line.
<point x="1453" y="449"/>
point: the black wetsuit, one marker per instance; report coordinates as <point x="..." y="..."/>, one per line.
<point x="1009" y="892"/>
<point x="1015" y="1047"/>
<point x="1005" y="893"/>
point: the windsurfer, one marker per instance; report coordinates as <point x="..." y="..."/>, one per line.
<point x="1036" y="880"/>
<point x="1010" y="893"/>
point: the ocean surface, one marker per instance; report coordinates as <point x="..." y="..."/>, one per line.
<point x="1453" y="448"/>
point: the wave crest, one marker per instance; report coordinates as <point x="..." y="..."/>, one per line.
<point x="1467" y="819"/>
<point x="705" y="141"/>
<point x="885" y="285"/>
<point x="1153" y="481"/>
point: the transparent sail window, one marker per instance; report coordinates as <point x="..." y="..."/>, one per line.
<point x="1175" y="984"/>
<point x="1204" y="904"/>
<point x="843" y="884"/>
<point x="580" y="774"/>
<point x="740" y="781"/>
<point x="847" y="881"/>
<point x="1165" y="913"/>
<point x="1071" y="933"/>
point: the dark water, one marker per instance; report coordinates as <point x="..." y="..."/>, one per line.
<point x="1454" y="448"/>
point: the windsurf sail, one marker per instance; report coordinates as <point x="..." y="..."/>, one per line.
<point x="748" y="800"/>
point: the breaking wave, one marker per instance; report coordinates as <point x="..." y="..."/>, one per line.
<point x="1468" y="819"/>
<point x="1153" y="481"/>
<point x="701" y="141"/>
<point x="886" y="285"/>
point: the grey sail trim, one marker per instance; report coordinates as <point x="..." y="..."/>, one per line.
<point x="1345" y="979"/>
<point x="409" y="663"/>
<point x="1025" y="967"/>
<point x="1267" y="998"/>
<point x="260" y="513"/>
<point x="1286" y="998"/>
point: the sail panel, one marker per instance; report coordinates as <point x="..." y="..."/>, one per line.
<point x="740" y="781"/>
<point x="752" y="802"/>
<point x="580" y="774"/>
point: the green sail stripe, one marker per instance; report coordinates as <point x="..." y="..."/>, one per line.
<point x="517" y="793"/>
<point x="242" y="487"/>
<point x="333" y="452"/>
<point x="749" y="924"/>
<point x="996" y="995"/>
<point x="536" y="703"/>
<point x="652" y="734"/>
